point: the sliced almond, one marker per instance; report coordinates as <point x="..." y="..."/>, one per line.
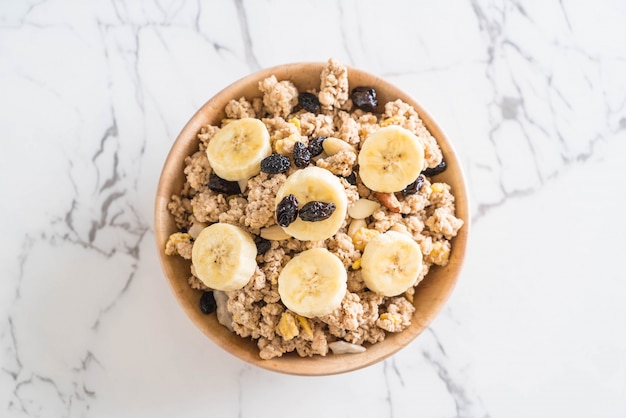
<point x="243" y="184"/>
<point x="319" y="157"/>
<point x="196" y="228"/>
<point x="400" y="228"/>
<point x="343" y="347"/>
<point x="362" y="208"/>
<point x="355" y="225"/>
<point x="333" y="145"/>
<point x="274" y="233"/>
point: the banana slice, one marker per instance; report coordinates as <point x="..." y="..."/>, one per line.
<point x="235" y="151"/>
<point x="313" y="283"/>
<point x="391" y="158"/>
<point x="391" y="263"/>
<point x="315" y="184"/>
<point x="224" y="257"/>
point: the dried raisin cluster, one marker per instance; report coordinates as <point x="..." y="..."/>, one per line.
<point x="309" y="102"/>
<point x="287" y="210"/>
<point x="315" y="146"/>
<point x="207" y="303"/>
<point x="301" y="155"/>
<point x="413" y="187"/>
<point x="438" y="169"/>
<point x="275" y="163"/>
<point x="364" y="98"/>
<point x="316" y="211"/>
<point x="263" y="246"/>
<point x="219" y="185"/>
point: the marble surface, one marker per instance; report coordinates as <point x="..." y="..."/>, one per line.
<point x="533" y="95"/>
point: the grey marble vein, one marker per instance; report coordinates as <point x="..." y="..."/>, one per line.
<point x="248" y="42"/>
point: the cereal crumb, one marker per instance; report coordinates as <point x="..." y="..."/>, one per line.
<point x="179" y="243"/>
<point x="261" y="199"/>
<point x="197" y="170"/>
<point x="239" y="109"/>
<point x="340" y="164"/>
<point x="334" y="86"/>
<point x="279" y="97"/>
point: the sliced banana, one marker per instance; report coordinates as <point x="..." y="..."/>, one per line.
<point x="391" y="263"/>
<point x="313" y="283"/>
<point x="235" y="151"/>
<point x="224" y="257"/>
<point x="391" y="158"/>
<point x="315" y="184"/>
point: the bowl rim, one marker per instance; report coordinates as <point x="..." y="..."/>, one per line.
<point x="291" y="363"/>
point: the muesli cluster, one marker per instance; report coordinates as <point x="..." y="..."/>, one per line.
<point x="310" y="216"/>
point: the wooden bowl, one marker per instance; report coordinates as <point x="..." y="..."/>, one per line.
<point x="431" y="294"/>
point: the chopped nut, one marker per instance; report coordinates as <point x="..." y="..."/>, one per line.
<point x="389" y="200"/>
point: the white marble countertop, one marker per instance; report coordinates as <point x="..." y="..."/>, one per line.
<point x="532" y="94"/>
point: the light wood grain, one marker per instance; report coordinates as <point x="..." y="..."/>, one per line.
<point x="431" y="294"/>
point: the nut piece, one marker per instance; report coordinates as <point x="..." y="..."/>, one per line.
<point x="333" y="145"/>
<point x="343" y="347"/>
<point x="274" y="233"/>
<point x="196" y="228"/>
<point x="355" y="225"/>
<point x="389" y="200"/>
<point x="362" y="208"/>
<point x="223" y="316"/>
<point x="400" y="228"/>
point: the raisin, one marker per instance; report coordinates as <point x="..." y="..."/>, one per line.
<point x="439" y="168"/>
<point x="301" y="155"/>
<point x="413" y="187"/>
<point x="275" y="163"/>
<point x="316" y="211"/>
<point x="364" y="98"/>
<point x="315" y="145"/>
<point x="351" y="178"/>
<point x="287" y="210"/>
<point x="263" y="246"/>
<point x="309" y="102"/>
<point x="219" y="185"/>
<point x="207" y="303"/>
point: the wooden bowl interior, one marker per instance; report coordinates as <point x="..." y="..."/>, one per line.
<point x="430" y="295"/>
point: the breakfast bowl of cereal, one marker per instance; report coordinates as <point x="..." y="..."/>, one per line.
<point x="311" y="219"/>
